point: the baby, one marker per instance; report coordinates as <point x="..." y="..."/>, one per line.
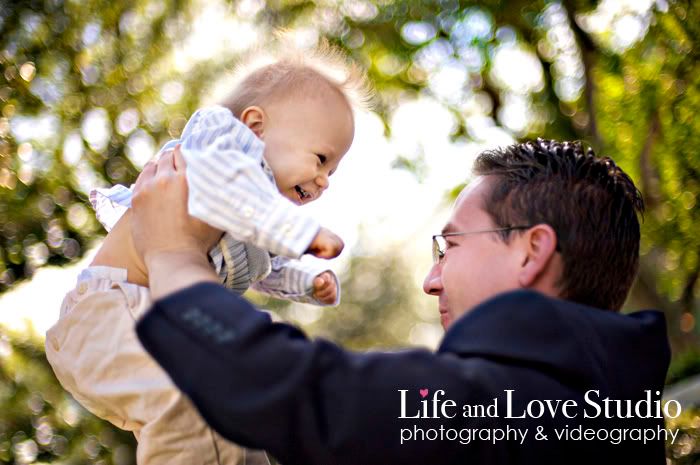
<point x="272" y="144"/>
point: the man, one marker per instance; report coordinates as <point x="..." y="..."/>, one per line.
<point x="530" y="272"/>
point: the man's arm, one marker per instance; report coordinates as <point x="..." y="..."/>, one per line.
<point x="174" y="270"/>
<point x="265" y="385"/>
<point x="172" y="244"/>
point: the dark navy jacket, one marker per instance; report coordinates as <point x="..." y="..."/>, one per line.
<point x="265" y="385"/>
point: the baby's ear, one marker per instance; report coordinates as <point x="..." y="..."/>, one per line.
<point x="254" y="118"/>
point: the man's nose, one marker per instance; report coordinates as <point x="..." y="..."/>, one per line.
<point x="433" y="283"/>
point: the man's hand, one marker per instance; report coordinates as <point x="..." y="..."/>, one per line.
<point x="326" y="244"/>
<point x="161" y="222"/>
<point x="172" y="243"/>
<point x="325" y="289"/>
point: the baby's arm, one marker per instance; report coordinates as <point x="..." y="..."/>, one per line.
<point x="229" y="190"/>
<point x="294" y="280"/>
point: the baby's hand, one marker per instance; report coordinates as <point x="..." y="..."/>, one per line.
<point x="326" y="244"/>
<point x="325" y="290"/>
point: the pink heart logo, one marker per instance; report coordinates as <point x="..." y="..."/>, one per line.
<point x="423" y="392"/>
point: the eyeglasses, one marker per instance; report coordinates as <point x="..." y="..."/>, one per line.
<point x="440" y="244"/>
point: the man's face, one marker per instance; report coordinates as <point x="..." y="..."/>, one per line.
<point x="475" y="266"/>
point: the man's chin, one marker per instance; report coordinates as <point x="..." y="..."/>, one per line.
<point x="445" y="320"/>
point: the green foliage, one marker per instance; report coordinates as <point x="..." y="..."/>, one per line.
<point x="684" y="366"/>
<point x="88" y="92"/>
<point x="380" y="305"/>
<point x="686" y="448"/>
<point x="86" y="97"/>
<point x="646" y="119"/>
<point x="74" y="72"/>
<point x="40" y="422"/>
<point x="633" y="100"/>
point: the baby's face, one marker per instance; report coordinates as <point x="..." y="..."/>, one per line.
<point x="305" y="139"/>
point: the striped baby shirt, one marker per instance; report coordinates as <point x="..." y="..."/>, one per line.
<point x="232" y="188"/>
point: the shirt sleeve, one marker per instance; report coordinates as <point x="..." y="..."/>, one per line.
<point x="265" y="385"/>
<point x="229" y="189"/>
<point x="110" y="204"/>
<point x="293" y="280"/>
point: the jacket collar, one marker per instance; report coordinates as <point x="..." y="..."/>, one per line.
<point x="585" y="343"/>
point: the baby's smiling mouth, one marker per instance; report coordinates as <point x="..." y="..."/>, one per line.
<point x="302" y="193"/>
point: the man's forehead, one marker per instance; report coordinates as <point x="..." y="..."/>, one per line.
<point x="476" y="187"/>
<point x="468" y="208"/>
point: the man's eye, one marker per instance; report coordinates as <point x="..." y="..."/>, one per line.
<point x="449" y="244"/>
<point x="322" y="158"/>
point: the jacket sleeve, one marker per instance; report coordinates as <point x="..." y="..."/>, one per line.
<point x="265" y="385"/>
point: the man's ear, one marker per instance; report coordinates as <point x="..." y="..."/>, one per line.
<point x="255" y="118"/>
<point x="540" y="243"/>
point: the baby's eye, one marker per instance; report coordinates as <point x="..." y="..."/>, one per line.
<point x="322" y="158"/>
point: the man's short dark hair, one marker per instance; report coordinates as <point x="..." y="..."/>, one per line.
<point x="589" y="201"/>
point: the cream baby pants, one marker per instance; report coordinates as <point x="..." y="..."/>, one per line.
<point x="97" y="357"/>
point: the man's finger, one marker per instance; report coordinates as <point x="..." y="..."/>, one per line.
<point x="178" y="159"/>
<point x="147" y="174"/>
<point x="166" y="164"/>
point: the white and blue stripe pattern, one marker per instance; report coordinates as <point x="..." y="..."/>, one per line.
<point x="232" y="188"/>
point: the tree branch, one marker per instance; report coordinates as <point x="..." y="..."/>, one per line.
<point x="588" y="54"/>
<point x="688" y="296"/>
<point x="649" y="176"/>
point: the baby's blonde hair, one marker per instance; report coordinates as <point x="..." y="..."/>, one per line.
<point x="275" y="73"/>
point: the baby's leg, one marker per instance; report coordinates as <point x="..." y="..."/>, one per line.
<point x="118" y="251"/>
<point x="97" y="357"/>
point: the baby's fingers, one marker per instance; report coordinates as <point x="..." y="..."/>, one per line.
<point x="327" y="298"/>
<point x="319" y="283"/>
